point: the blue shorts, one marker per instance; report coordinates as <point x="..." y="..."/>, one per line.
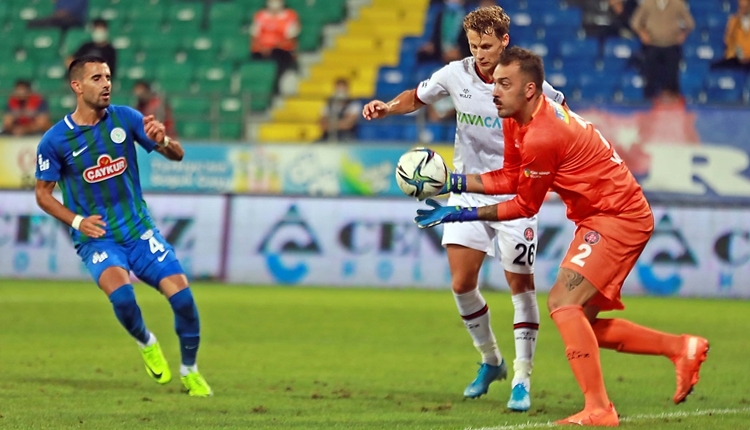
<point x="151" y="258"/>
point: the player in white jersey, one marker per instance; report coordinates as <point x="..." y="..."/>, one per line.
<point x="479" y="149"/>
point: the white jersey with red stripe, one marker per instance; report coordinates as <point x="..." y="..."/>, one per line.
<point x="479" y="133"/>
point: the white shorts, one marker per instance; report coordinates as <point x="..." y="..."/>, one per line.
<point x="516" y="239"/>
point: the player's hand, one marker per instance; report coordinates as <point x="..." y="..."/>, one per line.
<point x="375" y="109"/>
<point x="93" y="226"/>
<point x="154" y="129"/>
<point x="427" y="218"/>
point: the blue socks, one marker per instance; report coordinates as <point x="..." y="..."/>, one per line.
<point x="128" y="312"/>
<point x="186" y="324"/>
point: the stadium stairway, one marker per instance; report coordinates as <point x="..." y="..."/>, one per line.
<point x="370" y="39"/>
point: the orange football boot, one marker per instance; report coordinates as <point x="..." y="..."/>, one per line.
<point x="593" y="418"/>
<point x="688" y="364"/>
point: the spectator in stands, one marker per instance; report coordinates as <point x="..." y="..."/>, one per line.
<point x="662" y="26"/>
<point x="443" y="45"/>
<point x="26" y="112"/>
<point x="66" y="14"/>
<point x="623" y="11"/>
<point x="98" y="46"/>
<point x="149" y="103"/>
<point x="737" y="39"/>
<point x="274" y="36"/>
<point x="340" y="115"/>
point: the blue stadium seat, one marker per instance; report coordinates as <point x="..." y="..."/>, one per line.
<point x="696" y="66"/>
<point x="613" y="64"/>
<point x="409" y="48"/>
<point x="579" y="50"/>
<point x="570" y="17"/>
<point x="705" y="51"/>
<point x="712" y="19"/>
<point x="724" y="95"/>
<point x="716" y="35"/>
<point x="450" y="133"/>
<point x="540" y="48"/>
<point x="377" y="131"/>
<point x="521" y="19"/>
<point x="620" y="47"/>
<point x="433" y="132"/>
<point x="391" y="82"/>
<point x="574" y="67"/>
<point x="691" y="85"/>
<point x="526" y="34"/>
<point x="559" y="80"/>
<point x="631" y="89"/>
<point x="699" y="7"/>
<point x="597" y="86"/>
<point x="426" y="70"/>
<point x="552" y="35"/>
<point x="725" y="85"/>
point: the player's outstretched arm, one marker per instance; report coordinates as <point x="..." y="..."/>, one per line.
<point x="91" y="226"/>
<point x="406" y="102"/>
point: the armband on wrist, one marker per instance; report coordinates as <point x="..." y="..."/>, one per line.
<point x="76" y="224"/>
<point x="165" y="142"/>
<point x="468" y="214"/>
<point x="457" y="183"/>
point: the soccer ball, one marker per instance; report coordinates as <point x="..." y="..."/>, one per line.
<point x="421" y="173"/>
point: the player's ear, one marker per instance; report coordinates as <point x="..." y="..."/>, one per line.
<point x="530" y="90"/>
<point x="75" y="85"/>
<point x="505" y="40"/>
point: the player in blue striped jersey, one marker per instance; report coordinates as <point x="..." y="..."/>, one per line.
<point x="91" y="155"/>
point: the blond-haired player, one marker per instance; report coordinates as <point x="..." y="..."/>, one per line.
<point x="479" y="149"/>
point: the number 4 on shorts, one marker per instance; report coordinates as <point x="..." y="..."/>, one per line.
<point x="155" y="245"/>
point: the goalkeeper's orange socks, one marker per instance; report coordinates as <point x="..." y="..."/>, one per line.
<point x="625" y="336"/>
<point x="582" y="351"/>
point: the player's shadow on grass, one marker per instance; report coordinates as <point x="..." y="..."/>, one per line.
<point x="82" y="383"/>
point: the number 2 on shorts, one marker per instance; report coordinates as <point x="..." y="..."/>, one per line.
<point x="585" y="252"/>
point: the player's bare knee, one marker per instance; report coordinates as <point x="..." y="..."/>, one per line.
<point x="464" y="279"/>
<point x="519" y="283"/>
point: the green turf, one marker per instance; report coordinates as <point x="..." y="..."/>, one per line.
<point x="288" y="358"/>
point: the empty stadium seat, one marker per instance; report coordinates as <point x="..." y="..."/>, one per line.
<point x="586" y="49"/>
<point x="725" y="86"/>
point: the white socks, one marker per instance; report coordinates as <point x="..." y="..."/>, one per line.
<point x="184" y="370"/>
<point x="151" y="341"/>
<point x="525" y="329"/>
<point x="476" y="315"/>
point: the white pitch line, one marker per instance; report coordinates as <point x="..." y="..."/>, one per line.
<point x="632" y="418"/>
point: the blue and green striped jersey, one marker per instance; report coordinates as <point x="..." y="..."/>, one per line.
<point x="96" y="168"/>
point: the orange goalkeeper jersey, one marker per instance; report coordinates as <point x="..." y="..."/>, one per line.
<point x="559" y="150"/>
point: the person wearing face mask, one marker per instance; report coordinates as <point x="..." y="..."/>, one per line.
<point x="99" y="46"/>
<point x="340" y="115"/>
<point x="274" y="37"/>
<point x="443" y="45"/>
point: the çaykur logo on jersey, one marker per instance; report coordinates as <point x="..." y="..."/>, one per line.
<point x="106" y="168"/>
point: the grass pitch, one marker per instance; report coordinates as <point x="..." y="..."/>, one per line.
<point x="287" y="358"/>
